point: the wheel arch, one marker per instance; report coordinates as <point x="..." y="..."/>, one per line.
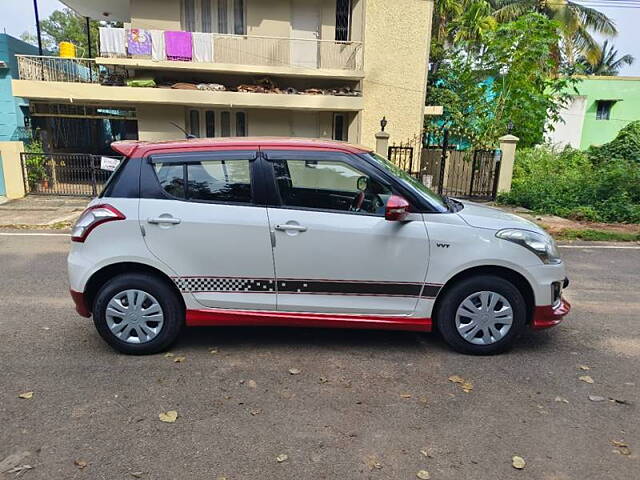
<point x="520" y="282"/>
<point x="104" y="274"/>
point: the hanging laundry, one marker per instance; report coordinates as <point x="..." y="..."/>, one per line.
<point x="139" y="42"/>
<point x="112" y="42"/>
<point x="157" y="45"/>
<point x="178" y="45"/>
<point x="202" y="47"/>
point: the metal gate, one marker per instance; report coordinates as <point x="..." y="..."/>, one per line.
<point x="74" y="174"/>
<point x="447" y="169"/>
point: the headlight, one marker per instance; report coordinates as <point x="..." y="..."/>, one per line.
<point x="542" y="245"/>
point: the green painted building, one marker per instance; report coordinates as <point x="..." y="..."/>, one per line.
<point x="600" y="109"/>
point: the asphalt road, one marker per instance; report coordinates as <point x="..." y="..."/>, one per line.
<point x="364" y="404"/>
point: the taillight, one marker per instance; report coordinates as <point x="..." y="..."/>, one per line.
<point x="91" y="218"/>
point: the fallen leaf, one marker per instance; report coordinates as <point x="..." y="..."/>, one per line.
<point x="466" y="385"/>
<point x="136" y="474"/>
<point x="80" y="464"/>
<point x="168" y="417"/>
<point x="622" y="447"/>
<point x="179" y="359"/>
<point x="12" y="460"/>
<point x="405" y="395"/>
<point x="18" y="469"/>
<point x="169" y="355"/>
<point x="282" y="458"/>
<point x="586" y="379"/>
<point x="26" y="395"/>
<point x="518" y="462"/>
<point x="213" y="351"/>
<point x="423" y="475"/>
<point x="323" y="380"/>
<point x="561" y="399"/>
<point x="620" y="401"/>
<point x="596" y="398"/>
<point x="294" y="371"/>
<point x="252" y="384"/>
<point x="584" y="367"/>
<point x="256" y="411"/>
<point x="425" y="452"/>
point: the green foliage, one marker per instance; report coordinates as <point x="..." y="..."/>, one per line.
<point x="570" y="185"/>
<point x="513" y="79"/>
<point x="36" y="164"/>
<point x="626" y="145"/>
<point x="596" y="235"/>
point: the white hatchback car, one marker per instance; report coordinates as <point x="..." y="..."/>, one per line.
<point x="306" y="233"/>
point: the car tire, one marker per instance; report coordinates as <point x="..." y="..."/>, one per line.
<point x="155" y="295"/>
<point x="453" y="321"/>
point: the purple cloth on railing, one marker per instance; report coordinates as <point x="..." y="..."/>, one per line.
<point x="139" y="42"/>
<point x="178" y="45"/>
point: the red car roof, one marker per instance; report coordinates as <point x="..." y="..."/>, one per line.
<point x="141" y="148"/>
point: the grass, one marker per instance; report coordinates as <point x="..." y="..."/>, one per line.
<point x="596" y="235"/>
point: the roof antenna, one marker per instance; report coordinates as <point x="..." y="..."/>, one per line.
<point x="188" y="136"/>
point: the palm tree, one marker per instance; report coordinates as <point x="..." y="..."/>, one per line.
<point x="608" y="62"/>
<point x="577" y="21"/>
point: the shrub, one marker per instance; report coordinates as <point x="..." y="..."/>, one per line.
<point x="625" y="145"/>
<point x="570" y="184"/>
<point x="36" y="164"/>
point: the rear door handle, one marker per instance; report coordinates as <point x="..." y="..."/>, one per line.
<point x="296" y="228"/>
<point x="159" y="220"/>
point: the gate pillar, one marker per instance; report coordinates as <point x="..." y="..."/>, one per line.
<point x="508" y="145"/>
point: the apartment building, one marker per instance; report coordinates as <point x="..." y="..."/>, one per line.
<point x="312" y="68"/>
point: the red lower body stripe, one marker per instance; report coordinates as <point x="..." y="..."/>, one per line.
<point x="219" y="317"/>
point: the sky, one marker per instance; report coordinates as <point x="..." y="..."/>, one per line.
<point x="18" y="17"/>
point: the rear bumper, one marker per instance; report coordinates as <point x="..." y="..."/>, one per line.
<point x="549" y="316"/>
<point x="81" y="304"/>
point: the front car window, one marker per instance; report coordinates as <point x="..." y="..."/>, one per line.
<point x="329" y="185"/>
<point x="409" y="182"/>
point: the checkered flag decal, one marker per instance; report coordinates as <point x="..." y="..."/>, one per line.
<point x="224" y="285"/>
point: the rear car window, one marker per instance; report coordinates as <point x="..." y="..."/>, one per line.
<point x="209" y="180"/>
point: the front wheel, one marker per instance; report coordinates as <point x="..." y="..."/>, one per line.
<point x="138" y="314"/>
<point x="482" y="315"/>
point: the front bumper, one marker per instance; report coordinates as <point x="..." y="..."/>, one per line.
<point x="549" y="316"/>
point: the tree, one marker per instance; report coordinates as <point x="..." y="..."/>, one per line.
<point x="608" y="62"/>
<point x="576" y="22"/>
<point x="513" y="80"/>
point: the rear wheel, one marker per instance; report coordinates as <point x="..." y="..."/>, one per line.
<point x="138" y="314"/>
<point x="482" y="315"/>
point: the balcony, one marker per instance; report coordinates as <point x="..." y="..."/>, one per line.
<point x="84" y="81"/>
<point x="250" y="54"/>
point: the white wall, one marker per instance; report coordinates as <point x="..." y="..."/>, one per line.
<point x="568" y="131"/>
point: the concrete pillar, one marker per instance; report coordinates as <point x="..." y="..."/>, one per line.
<point x="382" y="143"/>
<point x="12" y="168"/>
<point x="508" y="145"/>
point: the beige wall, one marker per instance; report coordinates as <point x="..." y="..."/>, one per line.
<point x="12" y="168"/>
<point x="156" y="14"/>
<point x="154" y="122"/>
<point x="396" y="51"/>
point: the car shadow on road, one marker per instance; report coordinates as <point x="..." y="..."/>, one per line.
<point x="279" y="337"/>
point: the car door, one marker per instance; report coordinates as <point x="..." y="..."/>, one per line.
<point x="334" y="251"/>
<point x="200" y="216"/>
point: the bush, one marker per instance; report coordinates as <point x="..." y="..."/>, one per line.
<point x="625" y="145"/>
<point x="570" y="184"/>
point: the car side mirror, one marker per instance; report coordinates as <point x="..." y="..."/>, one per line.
<point x="397" y="209"/>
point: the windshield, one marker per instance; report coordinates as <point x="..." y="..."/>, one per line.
<point x="409" y="182"/>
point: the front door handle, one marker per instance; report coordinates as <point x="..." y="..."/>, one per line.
<point x="159" y="220"/>
<point x="291" y="227"/>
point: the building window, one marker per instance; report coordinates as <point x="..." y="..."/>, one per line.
<point x="343" y="20"/>
<point x="217" y="123"/>
<point x="215" y="16"/>
<point x="339" y="127"/>
<point x="603" y="109"/>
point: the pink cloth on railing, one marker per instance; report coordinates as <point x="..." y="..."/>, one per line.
<point x="139" y="42"/>
<point x="178" y="45"/>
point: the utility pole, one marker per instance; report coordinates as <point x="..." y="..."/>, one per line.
<point x="35" y="9"/>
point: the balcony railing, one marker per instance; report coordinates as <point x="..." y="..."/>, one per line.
<point x="58" y="69"/>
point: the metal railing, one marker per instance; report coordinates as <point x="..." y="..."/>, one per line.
<point x="58" y="69"/>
